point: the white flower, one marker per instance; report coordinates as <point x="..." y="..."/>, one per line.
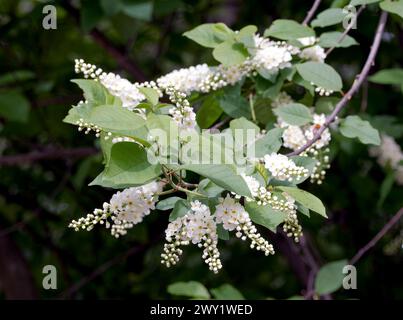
<point x="307" y="41"/>
<point x="198" y="227"/>
<point x="125" y="209"/>
<point x="293" y="137"/>
<point x="231" y="213"/>
<point x="315" y="53"/>
<point x="283" y="168"/>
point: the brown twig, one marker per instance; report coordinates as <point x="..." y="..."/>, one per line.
<point x="311" y="12"/>
<point x="379" y="235"/>
<point x="354" y="88"/>
<point x="50" y="154"/>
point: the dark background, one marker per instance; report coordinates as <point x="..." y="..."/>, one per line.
<point x="45" y="164"/>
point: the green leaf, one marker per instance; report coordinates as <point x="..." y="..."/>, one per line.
<point x="14" y="106"/>
<point x="111" y="7"/>
<point x="180" y="209"/>
<point x="210" y="34"/>
<point x="223" y="175"/>
<point x="321" y="74"/>
<point x="332" y="39"/>
<point x="168" y="203"/>
<point x="16" y="76"/>
<point x="269" y="143"/>
<point x="288" y="30"/>
<point x="191" y="289"/>
<point x="96" y="93"/>
<point x="388" y="76"/>
<point x="222" y="233"/>
<point x="138" y="10"/>
<point x="265" y="215"/>
<point x="91" y="14"/>
<point x="330" y="277"/>
<point x="120" y="121"/>
<point x="209" y="188"/>
<point x="326" y="104"/>
<point x="230" y="53"/>
<point x="150" y="94"/>
<point x="246" y="36"/>
<point x="294" y="113"/>
<point x="233" y="103"/>
<point x="395" y="7"/>
<point x="361" y="2"/>
<point x="329" y="17"/>
<point x="227" y="292"/>
<point x="209" y="112"/>
<point x="307" y="199"/>
<point x="355" y="127"/>
<point x="128" y="165"/>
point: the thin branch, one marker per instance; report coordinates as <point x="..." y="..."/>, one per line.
<point x="51" y="154"/>
<point x="378" y="237"/>
<point x="354" y="88"/>
<point x="347" y="30"/>
<point x="218" y="125"/>
<point x="115" y="51"/>
<point x="311" y="12"/>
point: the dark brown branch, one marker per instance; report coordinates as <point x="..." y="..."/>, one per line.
<point x="51" y="154"/>
<point x="311" y="12"/>
<point x="354" y="88"/>
<point x="115" y="51"/>
<point x="378" y="237"/>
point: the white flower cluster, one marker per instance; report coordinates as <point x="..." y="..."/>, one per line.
<point x="271" y="56"/>
<point x="280" y="202"/>
<point x="233" y="216"/>
<point x="183" y="114"/>
<point x="198" y="227"/>
<point x="283" y="168"/>
<point x="117" y="86"/>
<point x="389" y="153"/>
<point x="125" y="209"/>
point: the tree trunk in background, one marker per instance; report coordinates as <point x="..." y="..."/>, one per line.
<point x="16" y="280"/>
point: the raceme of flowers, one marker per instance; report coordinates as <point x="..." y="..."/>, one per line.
<point x="199" y="227"/>
<point x="125" y="209"/>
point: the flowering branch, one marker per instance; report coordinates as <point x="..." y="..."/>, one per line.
<point x="354" y="88"/>
<point x="311" y="12"/>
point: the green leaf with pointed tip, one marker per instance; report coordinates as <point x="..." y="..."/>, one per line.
<point x="330" y="277"/>
<point x="168" y="203"/>
<point x="361" y="2"/>
<point x="320" y="74"/>
<point x="294" y="114"/>
<point x="210" y="34"/>
<point x="306" y="199"/>
<point x="265" y="215"/>
<point x="288" y="30"/>
<point x="332" y="39"/>
<point x="128" y="165"/>
<point x="150" y="94"/>
<point x="388" y="76"/>
<point x="355" y="127"/>
<point x="230" y="53"/>
<point x="329" y="17"/>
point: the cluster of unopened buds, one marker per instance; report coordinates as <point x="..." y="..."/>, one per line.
<point x="183" y="114"/>
<point x="322" y="91"/>
<point x="282" y="168"/>
<point x="88" y="127"/>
